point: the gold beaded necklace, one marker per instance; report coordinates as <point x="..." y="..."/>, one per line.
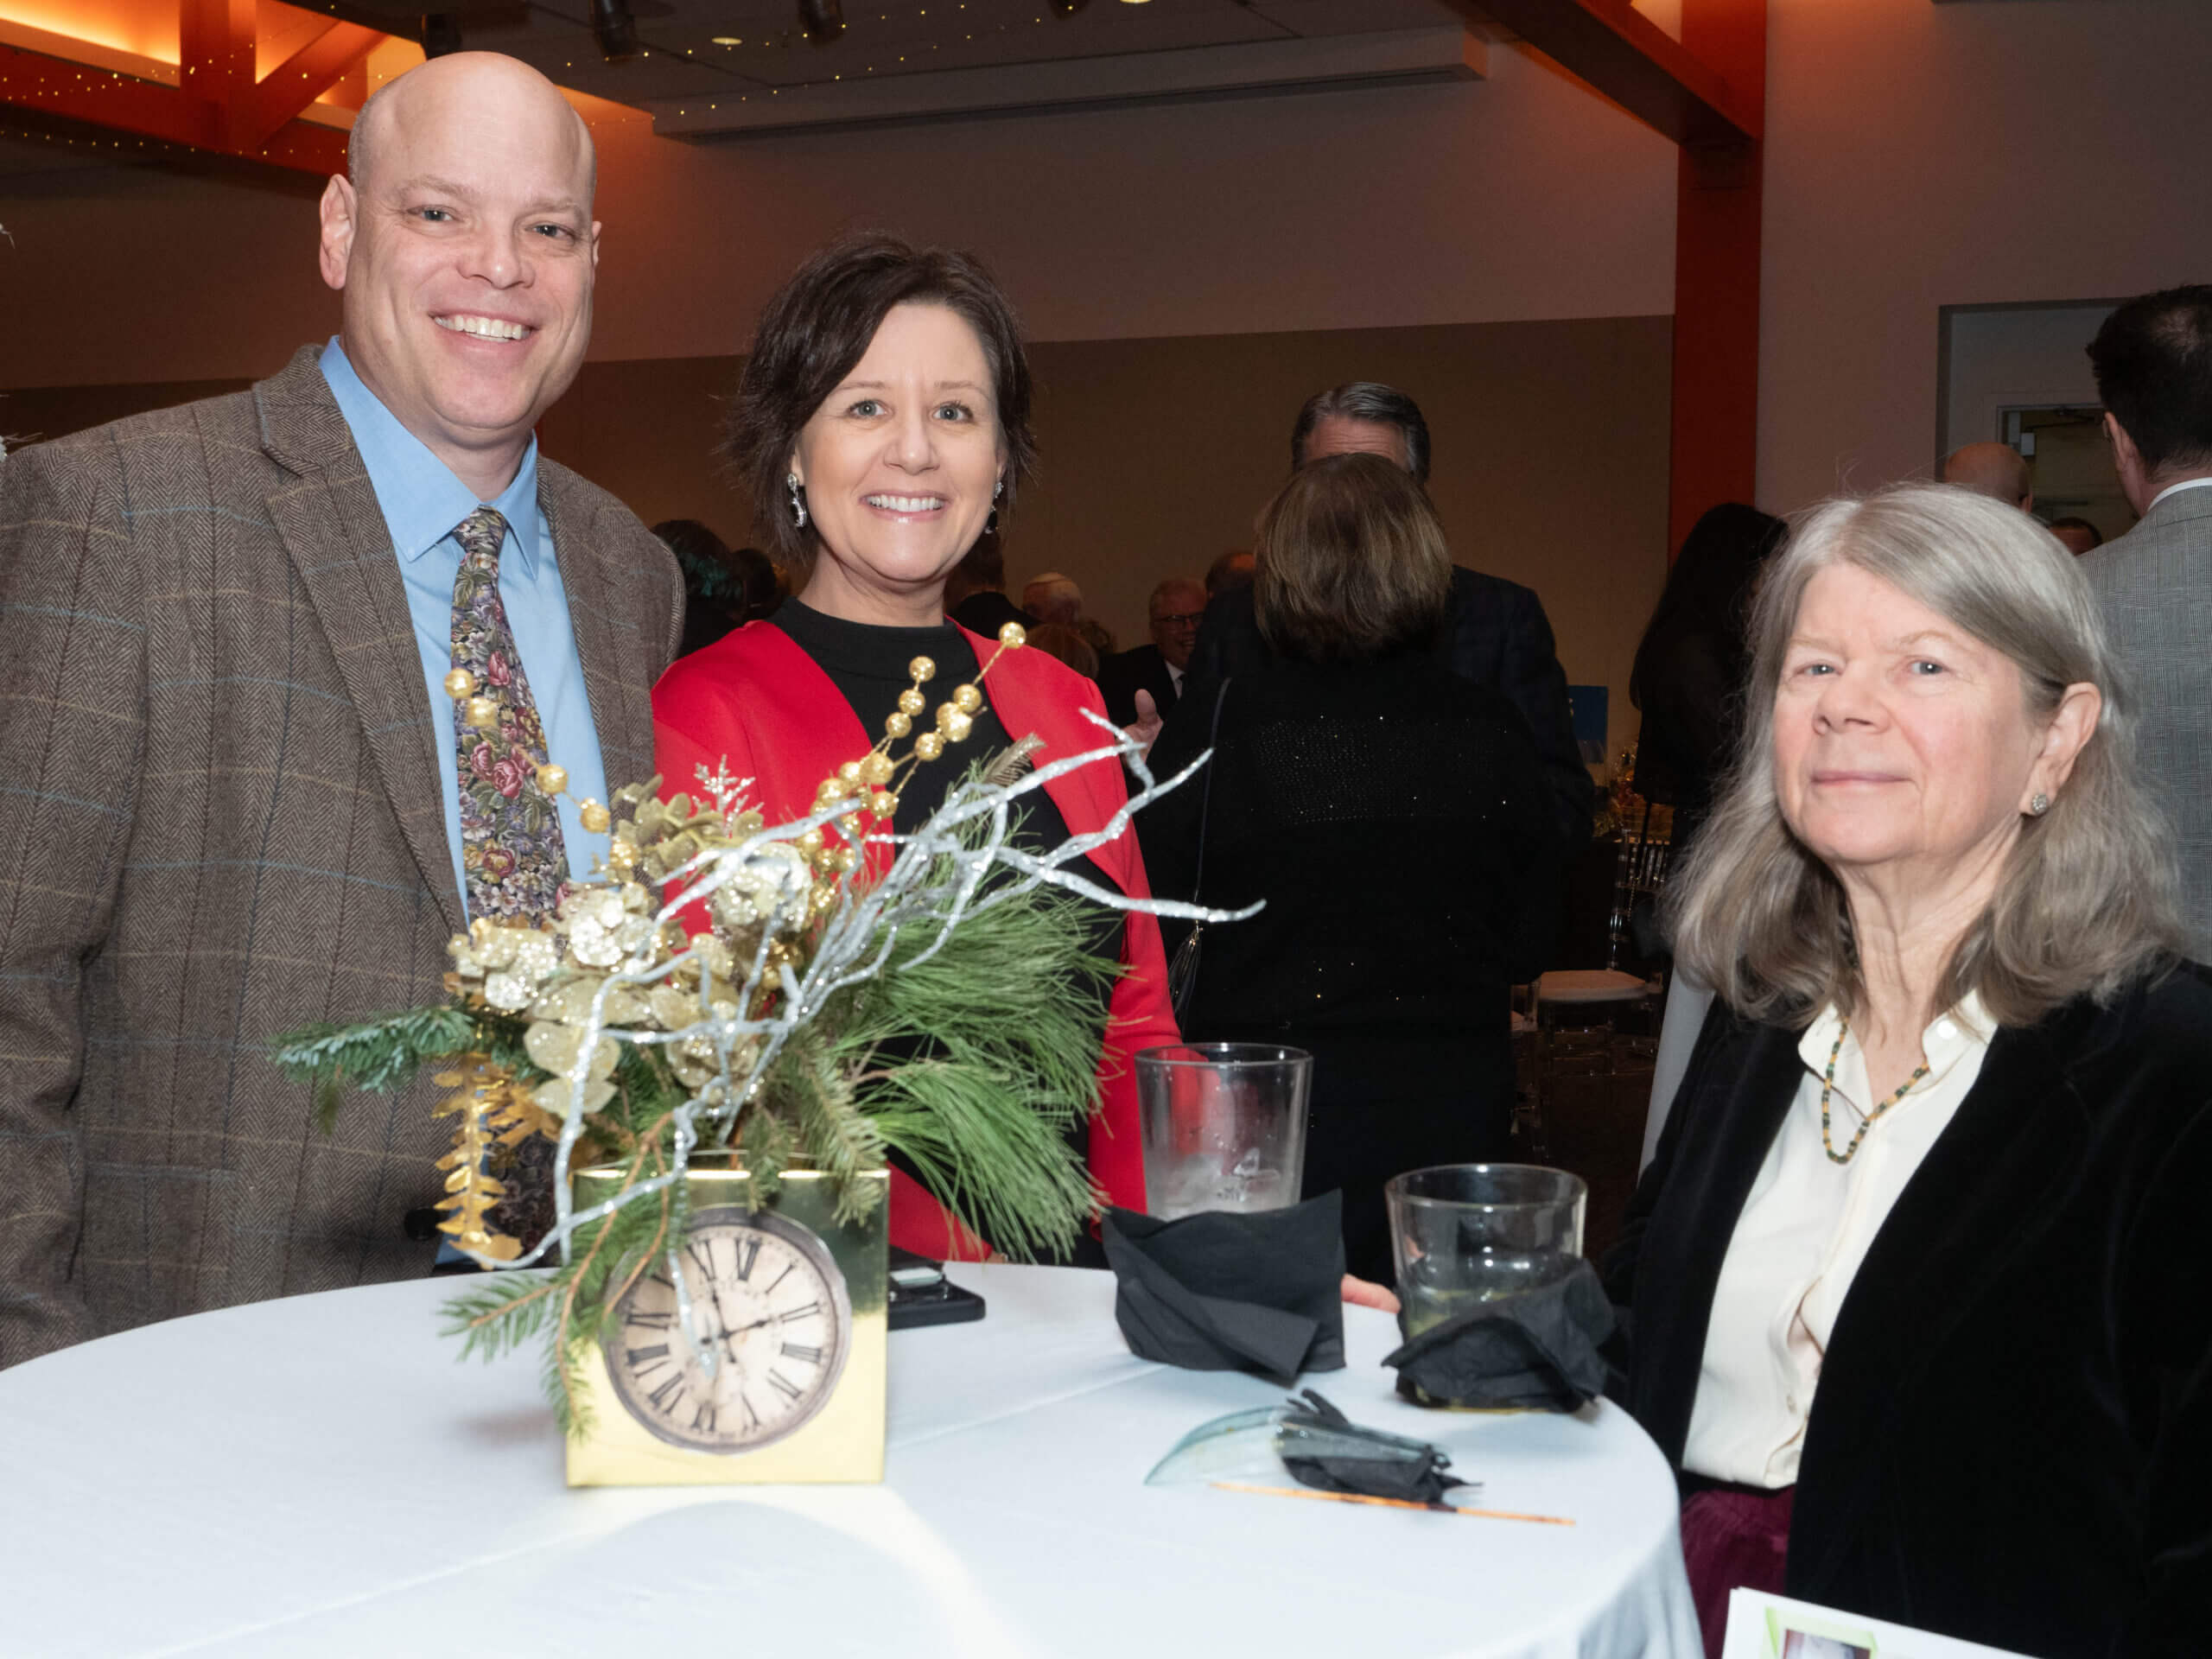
<point x="1828" y="1085"/>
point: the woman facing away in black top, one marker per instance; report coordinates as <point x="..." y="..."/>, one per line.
<point x="1395" y="820"/>
<point x="1690" y="663"/>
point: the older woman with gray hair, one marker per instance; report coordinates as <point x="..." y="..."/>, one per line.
<point x="1918" y="1294"/>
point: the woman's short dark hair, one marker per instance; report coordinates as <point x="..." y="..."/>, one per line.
<point x="1351" y="563"/>
<point x="820" y="324"/>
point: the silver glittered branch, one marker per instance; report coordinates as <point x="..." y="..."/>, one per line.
<point x="857" y="942"/>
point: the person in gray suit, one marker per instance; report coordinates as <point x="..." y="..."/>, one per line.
<point x="236" y="797"/>
<point x="2153" y="365"/>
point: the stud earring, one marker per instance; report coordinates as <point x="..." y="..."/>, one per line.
<point x="798" y="507"/>
<point x="2038" y="804"/>
<point x="991" y="524"/>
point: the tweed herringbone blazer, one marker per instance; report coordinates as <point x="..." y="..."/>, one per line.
<point x="219" y="820"/>
<point x="2155" y="586"/>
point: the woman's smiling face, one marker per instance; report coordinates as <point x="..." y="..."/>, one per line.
<point x="1899" y="739"/>
<point x="899" y="466"/>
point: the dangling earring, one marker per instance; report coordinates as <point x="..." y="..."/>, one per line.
<point x="798" y="507"/>
<point x="991" y="524"/>
<point x="2038" y="804"/>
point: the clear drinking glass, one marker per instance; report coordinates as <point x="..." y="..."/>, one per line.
<point x="1468" y="1233"/>
<point x="1223" y="1126"/>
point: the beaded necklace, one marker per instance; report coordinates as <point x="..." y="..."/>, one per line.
<point x="1827" y="1083"/>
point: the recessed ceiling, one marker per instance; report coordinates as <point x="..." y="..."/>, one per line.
<point x="727" y="54"/>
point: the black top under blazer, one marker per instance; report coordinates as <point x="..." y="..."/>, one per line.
<point x="2012" y="1441"/>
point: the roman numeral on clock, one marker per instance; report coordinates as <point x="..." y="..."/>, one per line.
<point x="639" y="1357"/>
<point x="791" y="1314"/>
<point x="749" y="1252"/>
<point x="664" y="1397"/>
<point x="652" y="1321"/>
<point x="810" y="1356"/>
<point x="784" y="1385"/>
<point x="702" y="1417"/>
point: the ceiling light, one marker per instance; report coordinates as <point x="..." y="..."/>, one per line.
<point x="822" y="20"/>
<point x="615" y="29"/>
<point x="728" y="39"/>
<point x="1068" y="8"/>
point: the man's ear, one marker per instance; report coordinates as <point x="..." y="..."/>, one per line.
<point x="340" y="212"/>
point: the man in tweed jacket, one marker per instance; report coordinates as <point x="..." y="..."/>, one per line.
<point x="222" y="764"/>
<point x="2153" y="362"/>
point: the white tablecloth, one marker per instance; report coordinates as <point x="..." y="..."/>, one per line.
<point x="318" y="1476"/>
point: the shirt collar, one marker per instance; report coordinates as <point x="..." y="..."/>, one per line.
<point x="2176" y="489"/>
<point x="421" y="499"/>
<point x="1949" y="1038"/>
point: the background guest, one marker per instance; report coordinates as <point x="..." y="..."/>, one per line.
<point x="975" y="594"/>
<point x="1996" y="470"/>
<point x="1495" y="631"/>
<point x="1062" y="644"/>
<point x="1921" y="1296"/>
<point x="2077" y="535"/>
<point x="1053" y="598"/>
<point x="2153" y="364"/>
<point x="1173" y="611"/>
<point x="1689" y="668"/>
<point x="1393" y="816"/>
<point x="883" y="374"/>
<point x="1230" y="572"/>
<point x="722" y="588"/>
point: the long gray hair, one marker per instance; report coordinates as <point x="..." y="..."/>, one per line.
<point x="2086" y="903"/>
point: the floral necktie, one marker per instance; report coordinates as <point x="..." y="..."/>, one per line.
<point x="513" y="860"/>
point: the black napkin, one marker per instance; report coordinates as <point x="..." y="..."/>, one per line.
<point x="1412" y="1477"/>
<point x="1218" y="1292"/>
<point x="1538" y="1348"/>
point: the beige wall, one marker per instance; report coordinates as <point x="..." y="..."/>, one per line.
<point x="1920" y="155"/>
<point x="1549" y="440"/>
<point x="1514" y="198"/>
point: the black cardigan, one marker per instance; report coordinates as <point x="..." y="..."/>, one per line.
<point x="2011" y="1440"/>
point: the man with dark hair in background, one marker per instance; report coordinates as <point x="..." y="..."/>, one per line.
<point x="2078" y="536"/>
<point x="2153" y="364"/>
<point x="240" y="794"/>
<point x="1495" y="631"/>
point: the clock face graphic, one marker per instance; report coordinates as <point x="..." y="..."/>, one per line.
<point x="771" y="1325"/>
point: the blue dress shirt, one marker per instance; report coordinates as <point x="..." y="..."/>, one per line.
<point x="424" y="503"/>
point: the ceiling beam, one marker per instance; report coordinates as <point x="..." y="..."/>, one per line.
<point x="217" y="103"/>
<point x="285" y="91"/>
<point x="1633" y="61"/>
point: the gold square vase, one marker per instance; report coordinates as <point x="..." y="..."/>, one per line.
<point x="790" y="1301"/>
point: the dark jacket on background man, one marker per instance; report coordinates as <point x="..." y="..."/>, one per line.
<point x="222" y="821"/>
<point x="988" y="611"/>
<point x="1122" y="675"/>
<point x="2014" y="1424"/>
<point x="1495" y="634"/>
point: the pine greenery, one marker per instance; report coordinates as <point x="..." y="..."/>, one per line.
<point x="973" y="1054"/>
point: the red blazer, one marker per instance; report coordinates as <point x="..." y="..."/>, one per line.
<point x="756" y="699"/>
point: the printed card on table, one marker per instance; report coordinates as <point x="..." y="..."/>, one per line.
<point x="1761" y="1626"/>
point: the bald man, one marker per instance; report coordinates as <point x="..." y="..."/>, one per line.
<point x="1996" y="470"/>
<point x="235" y="796"/>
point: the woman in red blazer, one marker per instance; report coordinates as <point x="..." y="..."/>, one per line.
<point x="885" y="410"/>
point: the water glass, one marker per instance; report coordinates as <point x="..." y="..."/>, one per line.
<point x="1222" y="1126"/>
<point x="1462" y="1234"/>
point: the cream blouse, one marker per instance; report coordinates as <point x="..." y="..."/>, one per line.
<point x="1803" y="1231"/>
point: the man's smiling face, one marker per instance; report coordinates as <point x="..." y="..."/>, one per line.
<point x="465" y="255"/>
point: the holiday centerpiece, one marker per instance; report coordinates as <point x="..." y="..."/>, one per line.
<point x="719" y="1041"/>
